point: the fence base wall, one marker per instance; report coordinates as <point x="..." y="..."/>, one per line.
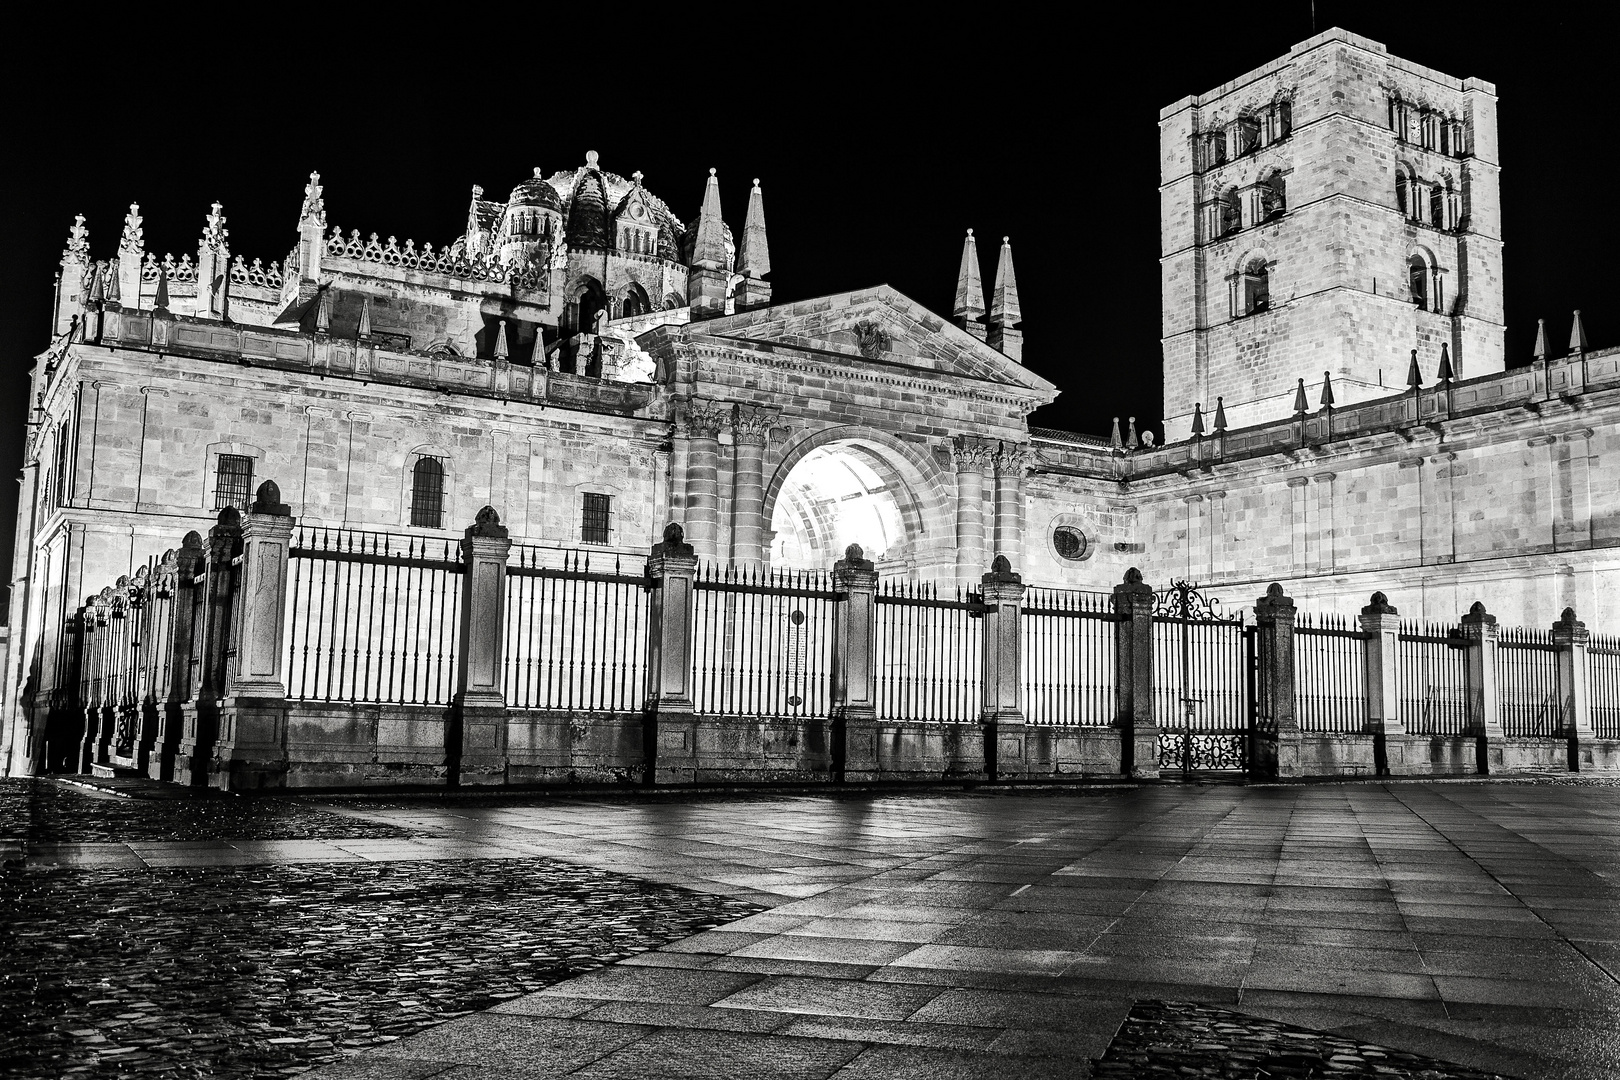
<point x="575" y="748"/>
<point x="1529" y="755"/>
<point x="914" y="751"/>
<point x="1597" y="755"/>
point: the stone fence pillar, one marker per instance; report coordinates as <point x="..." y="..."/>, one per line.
<point x="1002" y="593"/>
<point x="1133" y="677"/>
<point x="1379" y="663"/>
<point x="1570" y="638"/>
<point x="188" y="561"/>
<point x="251" y="750"/>
<point x="475" y="739"/>
<point x="669" y="730"/>
<point x="1274" y="746"/>
<point x="854" y="676"/>
<point x="1484" y="702"/>
<point x="210" y="647"/>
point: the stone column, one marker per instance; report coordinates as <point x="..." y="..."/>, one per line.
<point x="1012" y="462"/>
<point x="1002" y="714"/>
<point x="969" y="458"/>
<point x="703" y="478"/>
<point x="182" y="609"/>
<point x="669" y="729"/>
<point x="749" y="429"/>
<point x="1274" y="745"/>
<point x="475" y="741"/>
<point x="1484" y="702"/>
<point x="854" y="675"/>
<point x="1570" y="638"/>
<point x="1133" y="677"/>
<point x="1379" y="659"/>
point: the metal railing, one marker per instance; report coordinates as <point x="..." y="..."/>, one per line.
<point x="1068" y="657"/>
<point x="1330" y="674"/>
<point x="1603" y="671"/>
<point x="575" y="637"/>
<point x="1432" y="675"/>
<point x="1527" y="683"/>
<point x="1199" y="674"/>
<point x="372" y="617"/>
<point x="761" y="642"/>
<point x="927" y="654"/>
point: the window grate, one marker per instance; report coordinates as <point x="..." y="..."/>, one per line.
<point x="595" y="518"/>
<point x="233" y="481"/>
<point x="427" y="493"/>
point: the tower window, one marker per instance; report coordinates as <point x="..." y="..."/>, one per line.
<point x="596" y="518"/>
<point x="1256" y="286"/>
<point x="1273" y="196"/>
<point x="1417" y="277"/>
<point x="427" y="493"/>
<point x="233" y="481"/>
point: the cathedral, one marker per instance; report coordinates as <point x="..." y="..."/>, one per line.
<point x="1339" y="414"/>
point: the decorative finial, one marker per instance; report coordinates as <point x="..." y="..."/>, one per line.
<point x="134" y="238"/>
<point x="1130" y="435"/>
<point x="539" y="174"/>
<point x="1540" y="351"/>
<point x="1445" y="373"/>
<point x="1001" y="565"/>
<point x="314" y="210"/>
<point x="970" y="232"/>
<point x="637" y="177"/>
<point x="214" y="230"/>
<point x="1220" y="415"/>
<point x="1414" y="374"/>
<point x="1198" y="419"/>
<point x="1301" y="406"/>
<point x="78" y="245"/>
<point x="1327" y="390"/>
<point x="711" y="172"/>
<point x="591" y="158"/>
<point x="756" y="183"/>
<point x="1577" y="334"/>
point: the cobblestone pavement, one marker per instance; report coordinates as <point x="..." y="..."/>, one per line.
<point x="1180" y="1039"/>
<point x="237" y="972"/>
<point x="46" y="811"/>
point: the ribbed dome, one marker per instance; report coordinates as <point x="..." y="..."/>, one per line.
<point x="535" y="191"/>
<point x="587" y="215"/>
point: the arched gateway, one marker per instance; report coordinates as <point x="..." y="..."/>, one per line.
<point x="858" y="418"/>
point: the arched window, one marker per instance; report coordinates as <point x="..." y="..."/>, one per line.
<point x="1403" y="192"/>
<point x="1417" y="281"/>
<point x="1285" y="119"/>
<point x="1273" y="196"/>
<point x="1231" y="212"/>
<point x="1437" y="207"/>
<point x="1256" y="287"/>
<point x="1215" y="150"/>
<point x="427" y="493"/>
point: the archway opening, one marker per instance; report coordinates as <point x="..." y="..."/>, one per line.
<point x="840" y="494"/>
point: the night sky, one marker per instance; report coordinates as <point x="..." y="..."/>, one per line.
<point x="878" y="143"/>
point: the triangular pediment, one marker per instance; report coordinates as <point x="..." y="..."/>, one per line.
<point x="877" y="326"/>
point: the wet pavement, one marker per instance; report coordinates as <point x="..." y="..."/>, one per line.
<point x="1362" y="927"/>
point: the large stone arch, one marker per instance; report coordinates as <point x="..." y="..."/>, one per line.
<point x="924" y="501"/>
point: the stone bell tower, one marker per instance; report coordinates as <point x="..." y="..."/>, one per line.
<point x="1328" y="212"/>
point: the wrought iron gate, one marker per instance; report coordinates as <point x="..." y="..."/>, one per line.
<point x="1203" y="675"/>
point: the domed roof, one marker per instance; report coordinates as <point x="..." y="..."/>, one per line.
<point x="536" y="191"/>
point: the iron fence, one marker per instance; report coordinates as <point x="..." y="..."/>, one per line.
<point x="372" y="617"/>
<point x="761" y="642"/>
<point x="1603" y="671"/>
<point x="1199" y="672"/>
<point x="1067" y="656"/>
<point x="1527" y="683"/>
<point x="1330" y="674"/>
<point x="927" y="654"/>
<point x="575" y="637"/>
<point x="1432" y="676"/>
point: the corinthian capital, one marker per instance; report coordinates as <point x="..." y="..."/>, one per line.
<point x="752" y="424"/>
<point x="1012" y="459"/>
<point x="704" y="419"/>
<point x="969" y="454"/>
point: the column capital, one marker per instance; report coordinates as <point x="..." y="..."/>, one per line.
<point x="751" y="424"/>
<point x="1013" y="459"/>
<point x="969" y="454"/>
<point x="704" y="419"/>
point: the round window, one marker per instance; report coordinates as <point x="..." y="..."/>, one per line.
<point x="1070" y="542"/>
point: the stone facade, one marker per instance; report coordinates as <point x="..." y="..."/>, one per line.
<point x="593" y="368"/>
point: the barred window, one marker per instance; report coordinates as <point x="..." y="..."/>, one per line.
<point x="594" y="521"/>
<point x="427" y="493"/>
<point x="233" y="481"/>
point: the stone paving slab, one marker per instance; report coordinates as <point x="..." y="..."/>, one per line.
<point x="1431" y="917"/>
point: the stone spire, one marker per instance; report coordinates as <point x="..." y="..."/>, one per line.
<point x="1445" y="373"/>
<point x="314" y="208"/>
<point x="363" y="332"/>
<point x="1198" y="420"/>
<point x="131" y="250"/>
<point x="1540" y="351"/>
<point x="500" y="351"/>
<point x="1414" y="374"/>
<point x="707" y="280"/>
<point x="70" y="287"/>
<point x="1301" y="403"/>
<point x="1005" y="315"/>
<point x="1327" y="390"/>
<point x="1577" y="332"/>
<point x="753" y="256"/>
<point x="213" y="266"/>
<point x="969" y="307"/>
<point x="1220" y="415"/>
<point x="311" y="238"/>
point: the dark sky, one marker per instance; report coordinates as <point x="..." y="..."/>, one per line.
<point x="878" y="142"/>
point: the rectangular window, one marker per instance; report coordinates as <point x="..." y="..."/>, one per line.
<point x="233" y="482"/>
<point x="594" y="520"/>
